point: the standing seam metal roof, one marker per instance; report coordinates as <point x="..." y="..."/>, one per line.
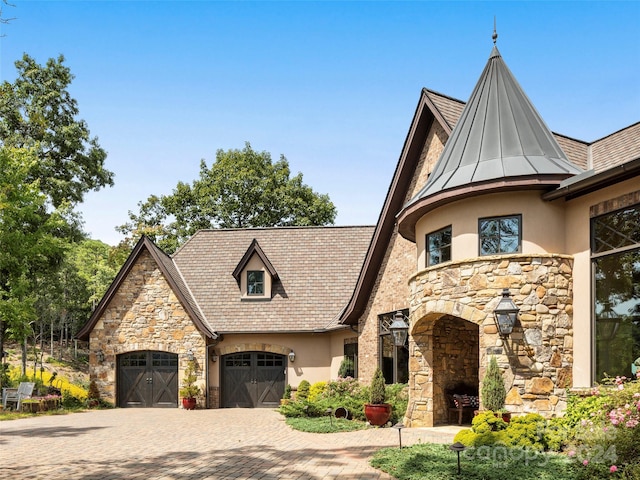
<point x="499" y="135"/>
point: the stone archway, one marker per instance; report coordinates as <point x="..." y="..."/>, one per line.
<point x="444" y="356"/>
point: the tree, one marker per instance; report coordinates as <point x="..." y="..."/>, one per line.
<point x="31" y="243"/>
<point x="241" y="189"/>
<point x="37" y="112"/>
<point x="493" y="390"/>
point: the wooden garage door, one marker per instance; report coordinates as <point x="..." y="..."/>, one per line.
<point x="253" y="379"/>
<point x="148" y="379"/>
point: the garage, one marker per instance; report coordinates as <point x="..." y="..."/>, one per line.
<point x="148" y="379"/>
<point x="253" y="379"/>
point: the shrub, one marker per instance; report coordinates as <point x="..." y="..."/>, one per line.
<point x="486" y="429"/>
<point x="347" y="368"/>
<point x="316" y="390"/>
<point x="527" y="431"/>
<point x="303" y="391"/>
<point x="378" y="390"/>
<point x="287" y="392"/>
<point x="493" y="391"/>
<point x="189" y="388"/>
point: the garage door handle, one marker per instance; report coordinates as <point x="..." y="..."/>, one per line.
<point x="150" y="380"/>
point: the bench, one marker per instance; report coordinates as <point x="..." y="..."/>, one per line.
<point x="17" y="395"/>
<point x="460" y="404"/>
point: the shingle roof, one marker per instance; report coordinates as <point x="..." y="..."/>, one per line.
<point x="621" y="146"/>
<point x="317" y="268"/>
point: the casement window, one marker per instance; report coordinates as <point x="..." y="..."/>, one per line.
<point x="255" y="282"/>
<point x="498" y="235"/>
<point x="615" y="256"/>
<point x="394" y="361"/>
<point x="438" y="245"/>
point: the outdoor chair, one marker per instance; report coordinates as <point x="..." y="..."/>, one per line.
<point x="10" y="395"/>
<point x="461" y="405"/>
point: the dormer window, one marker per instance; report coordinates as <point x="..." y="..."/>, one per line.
<point x="255" y="283"/>
<point x="255" y="274"/>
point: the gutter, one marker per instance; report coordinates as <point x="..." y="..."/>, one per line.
<point x="589" y="181"/>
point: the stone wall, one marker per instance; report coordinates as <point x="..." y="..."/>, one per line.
<point x="536" y="358"/>
<point x="144" y="314"/>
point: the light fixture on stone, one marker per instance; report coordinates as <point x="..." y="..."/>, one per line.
<point x="100" y="356"/>
<point x="505" y="313"/>
<point x="190" y="356"/>
<point x="399" y="329"/>
<point x="292" y="356"/>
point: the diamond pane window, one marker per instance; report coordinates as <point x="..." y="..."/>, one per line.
<point x="500" y="235"/>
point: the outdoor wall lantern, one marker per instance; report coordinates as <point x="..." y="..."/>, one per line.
<point x="292" y="356"/>
<point x="214" y="357"/>
<point x="399" y="329"/>
<point x="505" y="313"/>
<point x="190" y="356"/>
<point x="100" y="356"/>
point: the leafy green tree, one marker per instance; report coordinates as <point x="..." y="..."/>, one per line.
<point x="37" y="111"/>
<point x="31" y="242"/>
<point x="242" y="188"/>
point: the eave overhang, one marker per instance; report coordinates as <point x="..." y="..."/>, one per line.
<point x="409" y="216"/>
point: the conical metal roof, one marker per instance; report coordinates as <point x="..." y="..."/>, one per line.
<point x="499" y="135"/>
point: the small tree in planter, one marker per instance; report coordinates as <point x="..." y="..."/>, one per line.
<point x="377" y="411"/>
<point x="493" y="391"/>
<point x="189" y="390"/>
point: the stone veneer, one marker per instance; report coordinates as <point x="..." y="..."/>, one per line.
<point x="536" y="358"/>
<point x="144" y="314"/>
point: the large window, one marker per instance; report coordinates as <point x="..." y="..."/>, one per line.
<point x="255" y="282"/>
<point x="500" y="235"/>
<point x="394" y="361"/>
<point x="438" y="246"/>
<point x="615" y="248"/>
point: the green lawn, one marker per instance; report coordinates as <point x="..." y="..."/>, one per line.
<point x="438" y="462"/>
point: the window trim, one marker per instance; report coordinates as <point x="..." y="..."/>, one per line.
<point x="518" y="216"/>
<point x="427" y="250"/>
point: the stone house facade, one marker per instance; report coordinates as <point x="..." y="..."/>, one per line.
<point x="463" y="166"/>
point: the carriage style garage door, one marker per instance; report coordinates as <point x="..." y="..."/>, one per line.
<point x="148" y="379"/>
<point x="252" y="379"/>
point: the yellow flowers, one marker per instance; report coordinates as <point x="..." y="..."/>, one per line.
<point x="66" y="387"/>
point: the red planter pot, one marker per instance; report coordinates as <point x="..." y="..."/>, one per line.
<point x="189" y="403"/>
<point x="377" y="415"/>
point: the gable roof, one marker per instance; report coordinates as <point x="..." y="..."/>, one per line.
<point x="317" y="269"/>
<point x="254" y="249"/>
<point x="171" y="275"/>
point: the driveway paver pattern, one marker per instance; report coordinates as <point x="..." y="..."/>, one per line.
<point x="176" y="444"/>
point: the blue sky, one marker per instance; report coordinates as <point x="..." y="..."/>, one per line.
<point x="330" y="85"/>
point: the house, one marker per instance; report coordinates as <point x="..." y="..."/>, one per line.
<point x="486" y="205"/>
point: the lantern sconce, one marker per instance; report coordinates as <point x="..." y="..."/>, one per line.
<point x="190" y="356"/>
<point x="292" y="356"/>
<point x="100" y="356"/>
<point x="214" y="356"/>
<point x="399" y="329"/>
<point x="505" y="313"/>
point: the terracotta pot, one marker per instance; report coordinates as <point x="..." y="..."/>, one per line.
<point x="377" y="415"/>
<point x="189" y="403"/>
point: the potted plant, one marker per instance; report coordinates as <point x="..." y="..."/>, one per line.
<point x="189" y="390"/>
<point x="377" y="411"/>
<point x="493" y="391"/>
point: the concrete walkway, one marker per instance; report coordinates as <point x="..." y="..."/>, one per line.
<point x="175" y="444"/>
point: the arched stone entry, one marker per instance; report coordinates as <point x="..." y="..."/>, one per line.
<point x="444" y="357"/>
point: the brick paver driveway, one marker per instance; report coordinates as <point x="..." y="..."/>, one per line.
<point x="186" y="445"/>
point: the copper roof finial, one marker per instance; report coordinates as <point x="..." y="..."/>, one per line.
<point x="495" y="33"/>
